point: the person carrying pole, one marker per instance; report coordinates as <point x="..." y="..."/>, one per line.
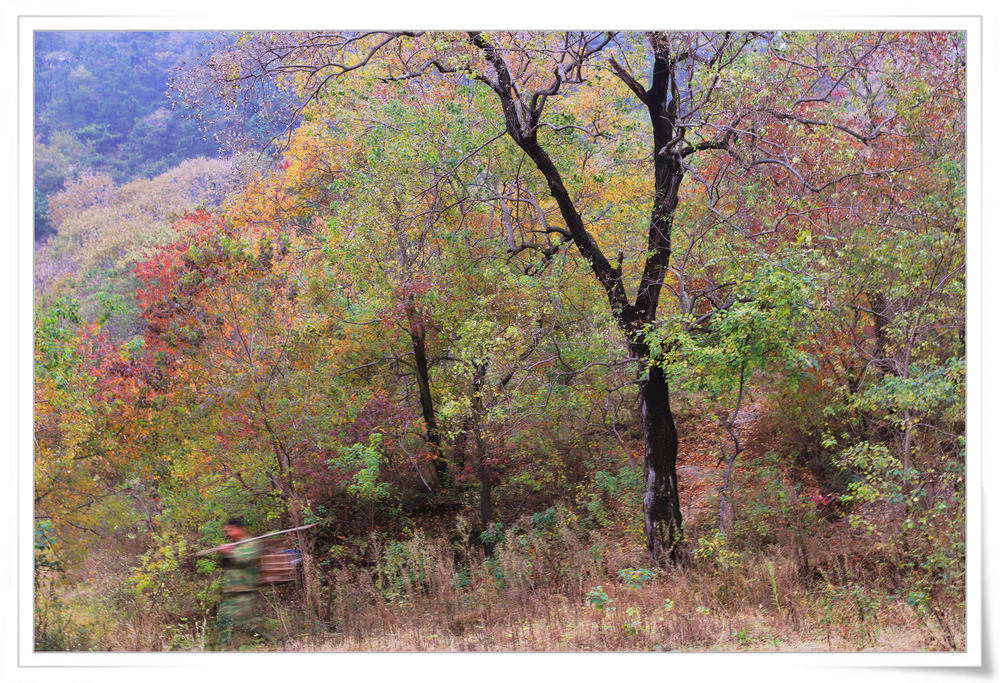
<point x="241" y="573"/>
<point x="241" y="562"/>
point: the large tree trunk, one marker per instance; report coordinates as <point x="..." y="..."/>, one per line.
<point x="660" y="505"/>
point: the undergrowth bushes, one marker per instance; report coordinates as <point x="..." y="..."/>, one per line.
<point x="792" y="574"/>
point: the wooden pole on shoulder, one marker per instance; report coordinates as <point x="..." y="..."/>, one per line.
<point x="247" y="540"/>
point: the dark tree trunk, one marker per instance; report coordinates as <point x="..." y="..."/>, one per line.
<point x="485" y="485"/>
<point x="661" y="506"/>
<point x="426" y="401"/>
<point x="881" y="323"/>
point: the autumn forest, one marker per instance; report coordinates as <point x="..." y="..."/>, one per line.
<point x="541" y="341"/>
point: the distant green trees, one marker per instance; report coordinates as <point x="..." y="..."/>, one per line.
<point x="101" y="106"/>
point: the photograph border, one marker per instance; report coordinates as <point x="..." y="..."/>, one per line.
<point x="611" y="664"/>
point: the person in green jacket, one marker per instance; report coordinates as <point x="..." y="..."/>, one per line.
<point x="241" y="574"/>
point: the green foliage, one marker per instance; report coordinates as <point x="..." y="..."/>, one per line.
<point x="544" y="521"/>
<point x="363" y="462"/>
<point x="774" y="508"/>
<point x="628" y="482"/>
<point x="462" y="580"/>
<point x="56" y="627"/>
<point x="714" y="547"/>
<point x="403" y="568"/>
<point x="632" y="627"/>
<point x="634" y="578"/>
<point x="763" y="329"/>
<point x="167" y="580"/>
<point x="495" y="574"/>
<point x="855" y="606"/>
<point x="935" y="390"/>
<point x="57" y="355"/>
<point x="927" y="532"/>
<point x="611" y="493"/>
<point x="597" y="598"/>
<point x="493" y="534"/>
<point x="743" y="639"/>
<point x="529" y="554"/>
<point x="44" y="542"/>
<point x="876" y="476"/>
<point x="159" y="568"/>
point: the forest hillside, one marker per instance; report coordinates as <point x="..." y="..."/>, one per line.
<point x="101" y="107"/>
<point x="537" y="341"/>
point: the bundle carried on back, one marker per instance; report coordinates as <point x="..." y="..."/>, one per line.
<point x="277" y="560"/>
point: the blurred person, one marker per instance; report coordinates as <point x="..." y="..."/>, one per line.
<point x="241" y="574"/>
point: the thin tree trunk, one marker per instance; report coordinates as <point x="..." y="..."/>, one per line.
<point x="880" y="326"/>
<point x="460" y="446"/>
<point x="907" y="462"/>
<point x="309" y="578"/>
<point x="727" y="513"/>
<point x="482" y="465"/>
<point x="907" y="443"/>
<point x="417" y="338"/>
<point x="485" y="485"/>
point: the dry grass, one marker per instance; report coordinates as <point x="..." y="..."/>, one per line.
<point x="429" y="595"/>
<point x="710" y="611"/>
<point x="760" y="604"/>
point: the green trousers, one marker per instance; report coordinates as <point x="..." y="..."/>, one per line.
<point x="237" y="610"/>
